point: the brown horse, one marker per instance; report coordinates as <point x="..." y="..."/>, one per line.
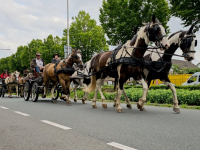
<point x="62" y="77"/>
<point x="123" y="71"/>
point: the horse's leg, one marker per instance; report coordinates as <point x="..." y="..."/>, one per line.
<point x="127" y="100"/>
<point x="94" y="105"/>
<point x="101" y="82"/>
<point x="75" y="94"/>
<point x="52" y="91"/>
<point x="115" y="99"/>
<point x="175" y="99"/>
<point x="121" y="81"/>
<point x="10" y="91"/>
<point x="17" y="91"/>
<point x="46" y="84"/>
<point x="142" y="100"/>
<point x="67" y="86"/>
<point x="85" y="94"/>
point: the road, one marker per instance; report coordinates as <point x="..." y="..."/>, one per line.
<point x="44" y="125"/>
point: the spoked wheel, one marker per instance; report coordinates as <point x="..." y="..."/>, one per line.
<point x="56" y="93"/>
<point x="27" y="91"/>
<point x="35" y="92"/>
<point x="0" y="92"/>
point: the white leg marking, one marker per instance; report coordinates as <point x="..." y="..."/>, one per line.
<point x="56" y="125"/>
<point x="120" y="146"/>
<point x="3" y="107"/>
<point x="23" y="114"/>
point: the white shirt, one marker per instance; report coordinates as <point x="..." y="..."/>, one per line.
<point x="39" y="62"/>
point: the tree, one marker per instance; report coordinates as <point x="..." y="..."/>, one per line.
<point x="187" y="10"/>
<point x="121" y="19"/>
<point x="86" y="35"/>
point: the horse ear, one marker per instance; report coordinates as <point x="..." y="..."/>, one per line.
<point x="190" y="30"/>
<point x="153" y="18"/>
<point x="73" y="50"/>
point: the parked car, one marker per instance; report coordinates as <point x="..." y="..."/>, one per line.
<point x="193" y="80"/>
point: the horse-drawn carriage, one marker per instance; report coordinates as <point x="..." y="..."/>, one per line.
<point x="3" y="88"/>
<point x="33" y="86"/>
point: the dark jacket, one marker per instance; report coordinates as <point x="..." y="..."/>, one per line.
<point x="33" y="63"/>
<point x="55" y="61"/>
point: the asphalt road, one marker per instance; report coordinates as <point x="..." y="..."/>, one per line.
<point x="158" y="128"/>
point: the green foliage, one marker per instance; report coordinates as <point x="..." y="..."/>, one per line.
<point x="86" y="35"/>
<point x="186" y="10"/>
<point x="187" y="96"/>
<point x="178" y="70"/>
<point x="121" y="19"/>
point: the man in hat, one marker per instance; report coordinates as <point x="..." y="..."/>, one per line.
<point x="55" y="59"/>
<point x="37" y="63"/>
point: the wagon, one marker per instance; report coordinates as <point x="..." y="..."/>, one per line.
<point x="34" y="86"/>
<point x="3" y="88"/>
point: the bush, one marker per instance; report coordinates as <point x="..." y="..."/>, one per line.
<point x="161" y="96"/>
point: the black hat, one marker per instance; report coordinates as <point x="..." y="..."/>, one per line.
<point x="55" y="54"/>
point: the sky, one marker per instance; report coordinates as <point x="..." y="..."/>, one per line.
<point x="24" y="20"/>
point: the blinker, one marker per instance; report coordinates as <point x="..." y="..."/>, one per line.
<point x="195" y="43"/>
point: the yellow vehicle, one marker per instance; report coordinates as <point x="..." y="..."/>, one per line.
<point x="178" y="79"/>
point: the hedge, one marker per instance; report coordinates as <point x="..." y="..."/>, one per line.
<point x="160" y="96"/>
<point x="189" y="87"/>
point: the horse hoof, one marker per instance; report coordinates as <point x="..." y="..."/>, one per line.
<point x="129" y="106"/>
<point x="75" y="100"/>
<point x="119" y="111"/>
<point x="177" y="110"/>
<point x="104" y="105"/>
<point x="94" y="106"/>
<point x="43" y="96"/>
<point x="83" y="101"/>
<point x="68" y="102"/>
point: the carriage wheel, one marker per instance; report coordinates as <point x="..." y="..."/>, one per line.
<point x="0" y="92"/>
<point x="56" y="93"/>
<point x="35" y="92"/>
<point x="27" y="91"/>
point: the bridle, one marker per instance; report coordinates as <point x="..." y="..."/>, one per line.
<point x="186" y="42"/>
<point x="152" y="34"/>
<point x="69" y="64"/>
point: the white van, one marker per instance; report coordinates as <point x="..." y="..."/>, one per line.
<point x="193" y="80"/>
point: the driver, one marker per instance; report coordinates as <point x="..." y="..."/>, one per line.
<point x="55" y="59"/>
<point x="37" y="63"/>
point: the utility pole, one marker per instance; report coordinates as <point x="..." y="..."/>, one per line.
<point x="67" y="27"/>
<point x="4" y="49"/>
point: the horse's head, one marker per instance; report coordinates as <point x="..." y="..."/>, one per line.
<point x="16" y="74"/>
<point x="188" y="43"/>
<point x="157" y="33"/>
<point x="75" y="57"/>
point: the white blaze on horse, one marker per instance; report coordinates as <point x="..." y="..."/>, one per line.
<point x="12" y="82"/>
<point x="127" y="62"/>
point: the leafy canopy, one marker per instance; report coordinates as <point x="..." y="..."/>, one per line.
<point x="121" y="19"/>
<point x="187" y="10"/>
<point x="86" y="35"/>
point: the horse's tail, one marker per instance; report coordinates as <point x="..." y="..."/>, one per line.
<point x="92" y="85"/>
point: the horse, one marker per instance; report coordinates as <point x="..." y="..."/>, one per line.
<point x="12" y="82"/>
<point x="58" y="73"/>
<point x="127" y="62"/>
<point x="80" y="78"/>
<point x="22" y="81"/>
<point x="186" y="41"/>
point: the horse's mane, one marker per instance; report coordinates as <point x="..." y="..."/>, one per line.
<point x="149" y="23"/>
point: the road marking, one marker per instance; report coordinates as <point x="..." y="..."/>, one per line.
<point x="120" y="146"/>
<point x="56" y="125"/>
<point x="23" y="114"/>
<point x="3" y="107"/>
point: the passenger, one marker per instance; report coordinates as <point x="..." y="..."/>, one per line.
<point x="37" y="63"/>
<point x="5" y="74"/>
<point x="55" y="59"/>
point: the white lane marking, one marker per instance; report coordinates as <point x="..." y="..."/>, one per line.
<point x="56" y="125"/>
<point x="23" y="114"/>
<point x="120" y="146"/>
<point x="3" y="107"/>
